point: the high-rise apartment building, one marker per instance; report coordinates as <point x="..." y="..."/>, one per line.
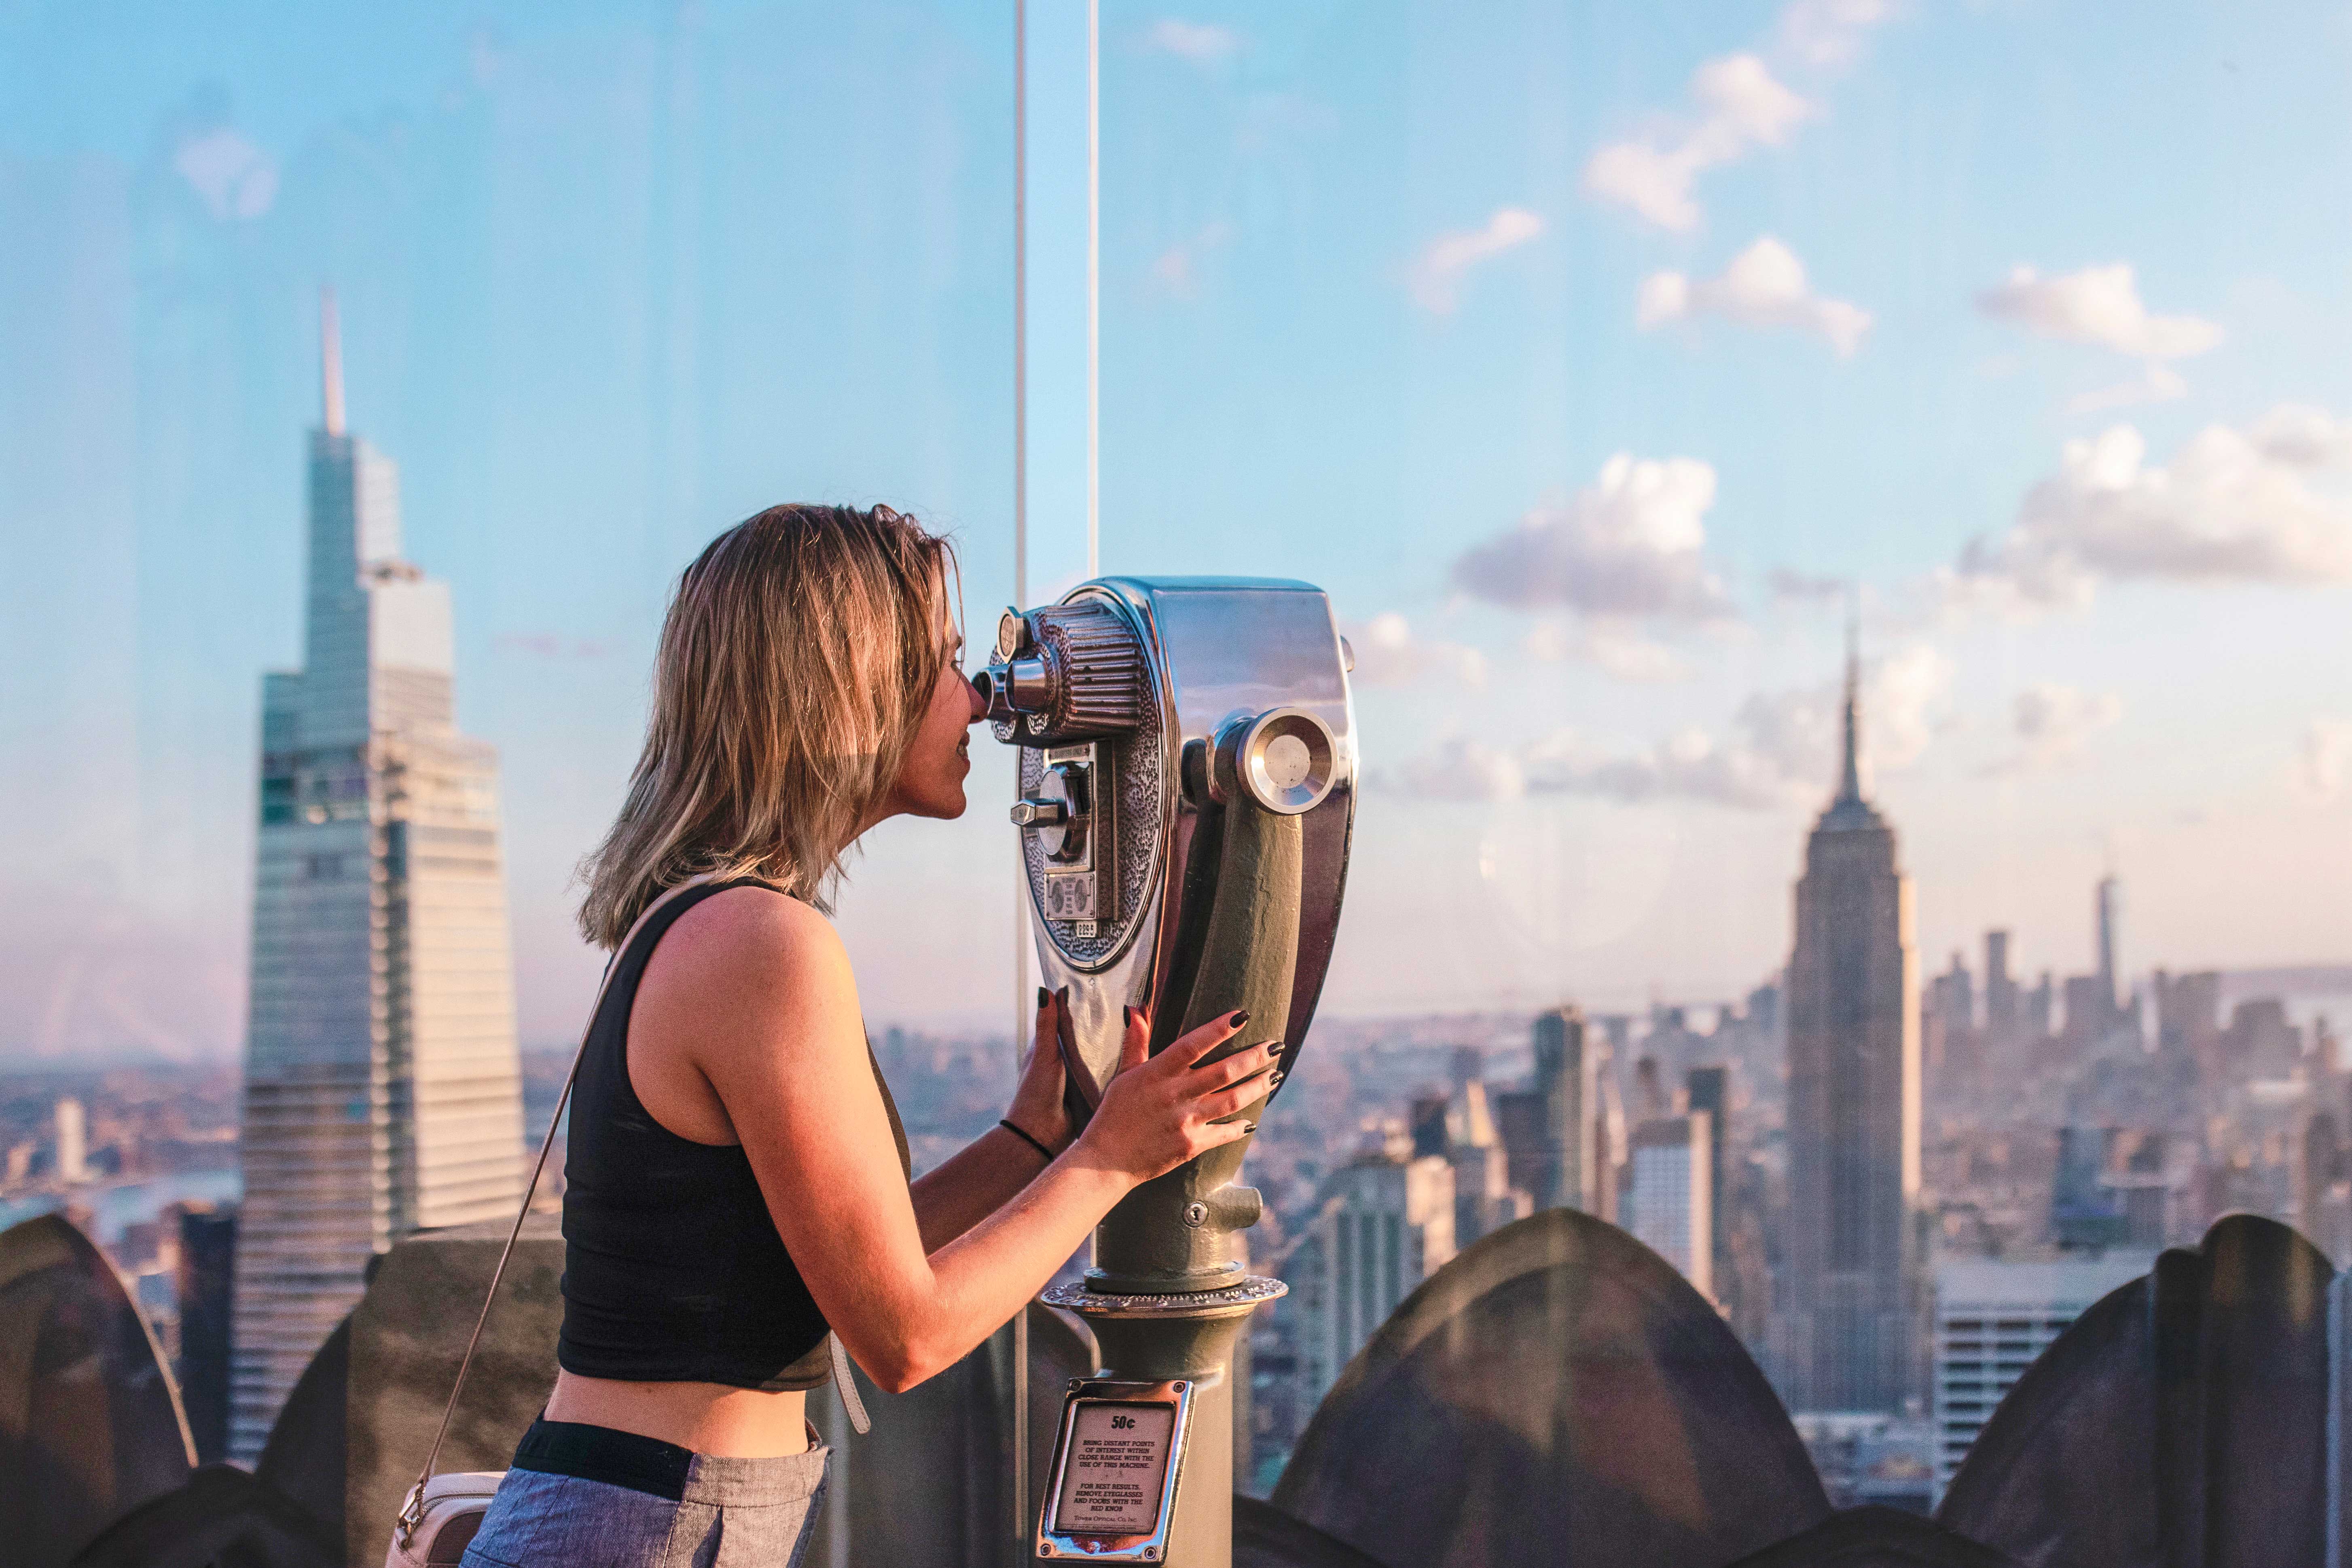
<point x="381" y="1092"/>
<point x="1845" y="1341"/>
<point x="1992" y="1318"/>
<point x="1669" y="1193"/>
<point x="1385" y="1224"/>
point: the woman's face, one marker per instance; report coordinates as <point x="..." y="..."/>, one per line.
<point x="930" y="780"/>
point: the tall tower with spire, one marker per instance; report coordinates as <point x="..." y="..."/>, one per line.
<point x="381" y="1089"/>
<point x="1845" y="1339"/>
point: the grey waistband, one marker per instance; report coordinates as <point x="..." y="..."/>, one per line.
<point x="724" y="1482"/>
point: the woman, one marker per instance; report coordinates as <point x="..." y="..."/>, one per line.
<point x="737" y="1179"/>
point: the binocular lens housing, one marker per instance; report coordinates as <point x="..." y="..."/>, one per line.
<point x="1072" y="671"/>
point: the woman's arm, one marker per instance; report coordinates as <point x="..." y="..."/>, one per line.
<point x="984" y="1173"/>
<point x="758" y="1000"/>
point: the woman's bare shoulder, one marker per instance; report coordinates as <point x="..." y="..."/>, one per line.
<point x="751" y="950"/>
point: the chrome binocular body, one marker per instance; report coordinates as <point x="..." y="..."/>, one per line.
<point x="1187" y="795"/>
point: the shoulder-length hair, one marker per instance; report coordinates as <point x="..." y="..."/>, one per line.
<point x="796" y="663"/>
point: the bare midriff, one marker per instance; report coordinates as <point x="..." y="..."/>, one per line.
<point x="707" y="1418"/>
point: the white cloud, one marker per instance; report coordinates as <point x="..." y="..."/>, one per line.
<point x="1904" y="698"/>
<point x="1388" y="654"/>
<point x="2325" y="765"/>
<point x="2305" y="437"/>
<point x="2157" y="384"/>
<point x="1741" y="107"/>
<point x="1765" y="286"/>
<point x="1629" y="544"/>
<point x="1616" y="647"/>
<point x="235" y="178"/>
<point x="1202" y="43"/>
<point x="1436" y="274"/>
<point x="1178" y="267"/>
<point x="2098" y="305"/>
<point x="1783" y="752"/>
<point x="2052" y="723"/>
<point x="1826" y="33"/>
<point x="1689" y="764"/>
<point x="1462" y="770"/>
<point x="2230" y="506"/>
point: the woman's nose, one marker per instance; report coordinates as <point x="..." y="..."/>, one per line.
<point x="979" y="703"/>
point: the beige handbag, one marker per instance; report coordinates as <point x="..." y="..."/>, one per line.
<point x="442" y="1514"/>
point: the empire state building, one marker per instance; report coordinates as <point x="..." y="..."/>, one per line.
<point x="381" y="1089"/>
<point x="1846" y="1342"/>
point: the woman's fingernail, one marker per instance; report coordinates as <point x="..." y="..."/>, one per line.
<point x="1237" y="1020"/>
<point x="1044" y="996"/>
<point x="1129" y="1016"/>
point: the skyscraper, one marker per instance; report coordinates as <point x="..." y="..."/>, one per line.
<point x="1386" y="1223"/>
<point x="2004" y="1007"/>
<point x="382" y="1091"/>
<point x="1669" y="1197"/>
<point x="1710" y="1090"/>
<point x="1846" y="1343"/>
<point x="1560" y="1080"/>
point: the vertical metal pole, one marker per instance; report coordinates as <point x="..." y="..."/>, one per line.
<point x="1023" y="1014"/>
<point x="1094" y="287"/>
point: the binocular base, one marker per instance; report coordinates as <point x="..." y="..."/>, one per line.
<point x="1254" y="1291"/>
<point x="1143" y="1465"/>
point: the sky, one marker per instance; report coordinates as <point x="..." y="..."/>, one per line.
<point x="1595" y="359"/>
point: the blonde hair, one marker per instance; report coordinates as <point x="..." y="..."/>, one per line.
<point x="796" y="663"/>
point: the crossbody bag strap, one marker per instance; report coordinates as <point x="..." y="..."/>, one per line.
<point x="412" y="1511"/>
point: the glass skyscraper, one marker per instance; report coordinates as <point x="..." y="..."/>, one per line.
<point x="382" y="1093"/>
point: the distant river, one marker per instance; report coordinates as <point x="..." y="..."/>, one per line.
<point x="128" y="1203"/>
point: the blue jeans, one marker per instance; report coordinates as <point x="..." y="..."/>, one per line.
<point x="589" y="1497"/>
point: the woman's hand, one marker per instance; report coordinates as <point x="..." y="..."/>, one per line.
<point x="1159" y="1112"/>
<point x="1037" y="1099"/>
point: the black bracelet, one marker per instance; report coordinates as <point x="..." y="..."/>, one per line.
<point x="1024" y="1137"/>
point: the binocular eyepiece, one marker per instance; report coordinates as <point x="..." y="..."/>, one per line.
<point x="1067" y="672"/>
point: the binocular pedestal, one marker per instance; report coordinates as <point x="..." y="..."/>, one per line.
<point x="1187" y="781"/>
<point x="1144" y="1463"/>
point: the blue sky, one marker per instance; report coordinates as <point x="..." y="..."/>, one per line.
<point x="1580" y="352"/>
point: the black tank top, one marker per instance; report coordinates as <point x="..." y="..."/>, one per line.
<point x="673" y="1271"/>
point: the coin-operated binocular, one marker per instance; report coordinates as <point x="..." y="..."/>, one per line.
<point x="1187" y="782"/>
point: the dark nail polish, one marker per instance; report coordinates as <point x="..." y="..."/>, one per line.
<point x="1044" y="996"/>
<point x="1127" y="1016"/>
<point x="1238" y="1020"/>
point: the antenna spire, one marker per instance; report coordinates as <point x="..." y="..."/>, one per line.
<point x="1850" y="778"/>
<point x="331" y="361"/>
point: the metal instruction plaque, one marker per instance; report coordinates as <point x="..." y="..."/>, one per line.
<point x="1116" y="1466"/>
